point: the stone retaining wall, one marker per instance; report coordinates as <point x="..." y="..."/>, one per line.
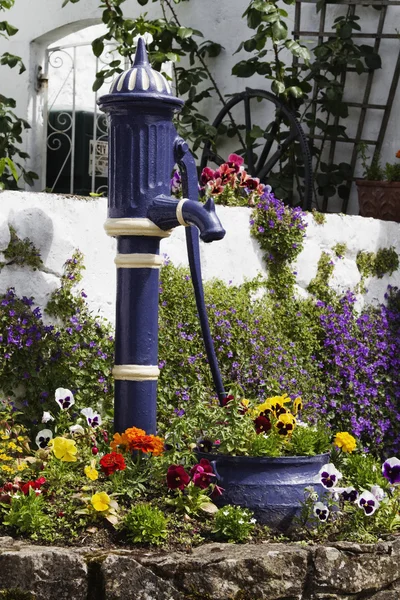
<point x="340" y="571"/>
<point x="58" y="224"/>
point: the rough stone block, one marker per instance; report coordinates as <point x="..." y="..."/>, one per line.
<point x="48" y="573"/>
<point x="123" y="577"/>
<point x="226" y="571"/>
<point x="346" y="568"/>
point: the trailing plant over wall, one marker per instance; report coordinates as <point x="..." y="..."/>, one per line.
<point x="377" y="264"/>
<point x="21" y="252"/>
<point x="11" y="126"/>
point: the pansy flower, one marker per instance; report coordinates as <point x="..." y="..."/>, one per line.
<point x="349" y="494"/>
<point x="391" y="470"/>
<point x="378" y="492"/>
<point x="321" y="511"/>
<point x="329" y="475"/>
<point x="262" y="424"/>
<point x="202" y="473"/>
<point x="204" y="445"/>
<point x="368" y="502"/>
<point x="285" y="424"/>
<point x="64" y="449"/>
<point x="47" y="417"/>
<point x="101" y="501"/>
<point x="43" y="438"/>
<point x="76" y="429"/>
<point x="93" y="418"/>
<point x="64" y="398"/>
<point x="297" y="405"/>
<point x="235" y="162"/>
<point x="177" y="478"/>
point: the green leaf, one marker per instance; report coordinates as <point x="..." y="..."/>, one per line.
<point x="278" y="87"/>
<point x="98" y="83"/>
<point x="12" y="168"/>
<point x="295" y="91"/>
<point x="346" y="31"/>
<point x="279" y="31"/>
<point x="11" y="30"/>
<point x="244" y="68"/>
<point x="185" y="32"/>
<point x="142" y="2"/>
<point x="373" y="61"/>
<point x="98" y="46"/>
<point x="297" y="50"/>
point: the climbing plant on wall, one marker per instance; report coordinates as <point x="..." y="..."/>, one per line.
<point x="318" y="73"/>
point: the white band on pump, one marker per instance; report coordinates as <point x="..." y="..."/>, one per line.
<point x="179" y="213"/>
<point x="130" y="226"/>
<point x="135" y="372"/>
<point x="138" y="261"/>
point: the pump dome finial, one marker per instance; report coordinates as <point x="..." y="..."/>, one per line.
<point x="141" y="58"/>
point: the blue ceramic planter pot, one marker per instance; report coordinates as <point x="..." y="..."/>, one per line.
<point x="273" y="488"/>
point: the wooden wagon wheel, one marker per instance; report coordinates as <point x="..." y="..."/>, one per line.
<point x="284" y="143"/>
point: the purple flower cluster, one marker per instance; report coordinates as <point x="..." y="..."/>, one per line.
<point x="360" y="361"/>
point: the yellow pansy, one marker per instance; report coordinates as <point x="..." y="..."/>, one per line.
<point x="91" y="472"/>
<point x="64" y="449"/>
<point x="345" y="441"/>
<point x="297" y="405"/>
<point x="101" y="501"/>
<point x="286" y="424"/>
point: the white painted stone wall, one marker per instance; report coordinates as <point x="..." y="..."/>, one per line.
<point x="42" y="22"/>
<point x="57" y="225"/>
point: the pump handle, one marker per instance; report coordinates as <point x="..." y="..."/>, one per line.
<point x="187" y="166"/>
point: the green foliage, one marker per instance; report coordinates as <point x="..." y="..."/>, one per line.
<point x="319" y="217"/>
<point x="319" y="285"/>
<point x="374" y="171"/>
<point x="27" y="515"/>
<point x="76" y="354"/>
<point x="234" y="524"/>
<point x="392" y="172"/>
<point x="145" y="524"/>
<point x="21" y="252"/>
<point x="309" y="441"/>
<point x="377" y="264"/>
<point x="339" y="250"/>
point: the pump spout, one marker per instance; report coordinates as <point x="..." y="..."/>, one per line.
<point x="167" y="213"/>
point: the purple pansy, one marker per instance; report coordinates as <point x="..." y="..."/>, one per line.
<point x="391" y="470"/>
<point x="64" y="398"/>
<point x="93" y="418"/>
<point x="329" y="475"/>
<point x="368" y="502"/>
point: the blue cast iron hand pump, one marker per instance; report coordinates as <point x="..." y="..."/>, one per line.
<point x="144" y="147"/>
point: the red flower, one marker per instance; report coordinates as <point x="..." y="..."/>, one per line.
<point x="202" y="473"/>
<point x="36" y="485"/>
<point x="177" y="478"/>
<point x="226" y="400"/>
<point x="235" y="160"/>
<point x="216" y="187"/>
<point x="225" y="173"/>
<point x="398" y="154"/>
<point x="112" y="462"/>
<point x="263" y="424"/>
<point x="217" y="491"/>
<point x="207" y="175"/>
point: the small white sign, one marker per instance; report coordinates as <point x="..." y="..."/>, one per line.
<point x="98" y="156"/>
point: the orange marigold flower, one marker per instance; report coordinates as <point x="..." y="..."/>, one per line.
<point x="120" y="441"/>
<point x="132" y="433"/>
<point x="398" y="154"/>
<point x="158" y="446"/>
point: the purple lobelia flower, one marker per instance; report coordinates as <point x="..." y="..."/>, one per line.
<point x="391" y="470"/>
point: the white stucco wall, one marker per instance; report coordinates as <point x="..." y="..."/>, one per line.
<point x="42" y="22"/>
<point x="57" y="225"/>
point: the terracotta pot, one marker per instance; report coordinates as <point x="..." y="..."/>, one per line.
<point x="379" y="199"/>
<point x="273" y="488"/>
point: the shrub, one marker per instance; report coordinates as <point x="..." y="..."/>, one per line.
<point x="234" y="524"/>
<point x="145" y="524"/>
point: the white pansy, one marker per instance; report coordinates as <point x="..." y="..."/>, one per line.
<point x="47" y="417"/>
<point x="329" y="475"/>
<point x="368" y="502"/>
<point x="378" y="492"/>
<point x="93" y="418"/>
<point x="76" y="429"/>
<point x="43" y="438"/>
<point x="64" y="398"/>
